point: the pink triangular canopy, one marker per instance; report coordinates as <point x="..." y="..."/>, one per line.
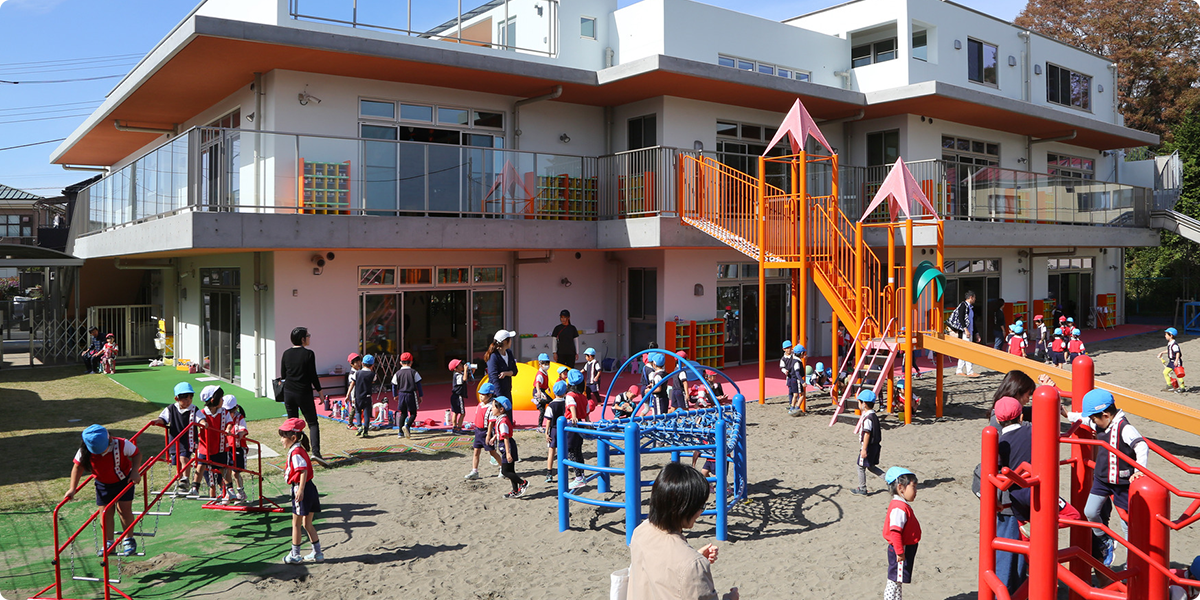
<point x="508" y="177"/>
<point x="901" y="188"/>
<point x="797" y="126"/>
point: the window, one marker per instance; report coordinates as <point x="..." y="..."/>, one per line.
<point x="375" y="108"/>
<point x="643" y="132"/>
<point x="761" y="67"/>
<point x="494" y="120"/>
<point x="1070" y="166"/>
<point x="920" y="44"/>
<point x="883" y="147"/>
<point x="416" y="112"/>
<point x="17" y="226"/>
<point x="376" y="276"/>
<point x="489" y="274"/>
<point x="452" y="275"/>
<point x="883" y="50"/>
<point x="587" y="27"/>
<point x="726" y="61"/>
<point x="970" y="152"/>
<point x="416" y="276"/>
<point x="1068" y="88"/>
<point x="982" y="62"/>
<point x="226" y="278"/>
<point x="507" y="34"/>
<point x="452" y="116"/>
<point x="1057" y="264"/>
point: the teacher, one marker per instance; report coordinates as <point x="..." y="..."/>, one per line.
<point x="501" y="362"/>
<point x="565" y="335"/>
<point x="299" y="372"/>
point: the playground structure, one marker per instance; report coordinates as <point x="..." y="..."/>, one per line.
<point x="149" y="500"/>
<point x="718" y="433"/>
<point x="1147" y="574"/>
<point x="894" y="304"/>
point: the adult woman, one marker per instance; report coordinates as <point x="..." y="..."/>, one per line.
<point x="662" y="564"/>
<point x="299" y="372"/>
<point x="1016" y="384"/>
<point x="501" y="362"/>
<point x="565" y="335"/>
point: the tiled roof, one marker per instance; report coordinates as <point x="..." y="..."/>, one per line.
<point x="11" y="193"/>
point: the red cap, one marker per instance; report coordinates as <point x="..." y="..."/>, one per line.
<point x="682" y="354"/>
<point x="406" y="357"/>
<point x="353" y="357"/>
<point x="1007" y="409"/>
<point x="1062" y="319"/>
<point x="634" y="390"/>
<point x="111" y="335"/>
<point x="454" y="364"/>
<point x="293" y="424"/>
<point x="1037" y="317"/>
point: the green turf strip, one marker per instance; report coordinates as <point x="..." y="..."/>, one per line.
<point x="156" y="384"/>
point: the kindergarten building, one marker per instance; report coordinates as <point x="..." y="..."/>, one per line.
<point x="399" y="182"/>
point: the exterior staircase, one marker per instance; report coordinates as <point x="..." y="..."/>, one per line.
<point x="877" y="361"/>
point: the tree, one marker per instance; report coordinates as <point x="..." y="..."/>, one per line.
<point x="1156" y="45"/>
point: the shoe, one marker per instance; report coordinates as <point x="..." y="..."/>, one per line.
<point x="541" y="430"/>
<point x="474" y="474"/>
<point x="513" y="495"/>
<point x="500" y="475"/>
<point x="128" y="547"/>
<point x="293" y="559"/>
<point x="1178" y="390"/>
<point x="315" y="556"/>
<point x="577" y="483"/>
<point x="223" y="499"/>
<point x="862" y="491"/>
<point x="493" y="461"/>
<point x="183" y="486"/>
<point x="1109" y="551"/>
<point x="972" y="374"/>
<point x="549" y="479"/>
<point x="194" y="492"/>
<point x="408" y="433"/>
<point x="241" y="495"/>
<point x="1169" y="389"/>
<point x="521" y="488"/>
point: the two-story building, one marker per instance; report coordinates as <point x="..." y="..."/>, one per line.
<point x="398" y="186"/>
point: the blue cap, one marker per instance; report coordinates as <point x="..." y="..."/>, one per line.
<point x="369" y="359"/>
<point x="1058" y="331"/>
<point x="1070" y="319"/>
<point x="562" y="368"/>
<point x="866" y="396"/>
<point x="1174" y="332"/>
<point x="799" y="349"/>
<point x="543" y="357"/>
<point x="1020" y="323"/>
<point x="95" y="437"/>
<point x="560" y="389"/>
<point x="787" y="344"/>
<point x="820" y="367"/>
<point x="1018" y="329"/>
<point x="659" y="360"/>
<point x="487" y="388"/>
<point x="894" y="473"/>
<point x="504" y="401"/>
<point x="1194" y="570"/>
<point x="589" y="352"/>
<point x="184" y="387"/>
<point x="1096" y="402"/>
<point x="574" y="377"/>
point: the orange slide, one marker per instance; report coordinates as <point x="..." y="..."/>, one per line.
<point x="1135" y="403"/>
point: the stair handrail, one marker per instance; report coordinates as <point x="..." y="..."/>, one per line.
<point x="854" y="343"/>
<point x="1177" y="524"/>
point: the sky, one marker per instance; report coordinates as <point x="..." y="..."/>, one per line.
<point x="101" y="40"/>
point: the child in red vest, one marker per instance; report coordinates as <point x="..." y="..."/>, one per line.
<point x="1016" y="341"/>
<point x="1058" y="349"/>
<point x="1075" y="347"/>
<point x="108" y="355"/>
<point x="541" y="388"/>
<point x="901" y="530"/>
<point x="305" y="501"/>
<point x="115" y="462"/>
<point x="213" y="452"/>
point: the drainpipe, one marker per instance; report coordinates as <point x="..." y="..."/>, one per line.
<point x="517" y="262"/>
<point x="84" y="168"/>
<point x="1026" y="60"/>
<point x="860" y="114"/>
<point x="157" y="130"/>
<point x="845" y="75"/>
<point x="1031" y="142"/>
<point x="619" y="327"/>
<point x="258" y="120"/>
<point x="517" y="112"/>
<point x="1116" y="113"/>
<point x="260" y="363"/>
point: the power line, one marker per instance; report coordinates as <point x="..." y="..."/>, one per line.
<point x="61" y="80"/>
<point x="44" y="118"/>
<point x="33" y="144"/>
<point x="12" y="72"/>
<point x="49" y="105"/>
<point x="45" y="112"/>
<point x="72" y="60"/>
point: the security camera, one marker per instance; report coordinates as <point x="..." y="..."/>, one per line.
<point x="329" y="256"/>
<point x="318" y="260"/>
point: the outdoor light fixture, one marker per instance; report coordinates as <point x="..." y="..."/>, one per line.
<point x="250" y="117"/>
<point x="698" y="290"/>
<point x="958" y="44"/>
<point x="564" y="138"/>
<point x="565" y="282"/>
<point x="305" y="97"/>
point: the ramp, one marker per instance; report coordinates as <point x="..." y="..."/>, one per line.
<point x="1135" y="403"/>
<point x="1176" y="222"/>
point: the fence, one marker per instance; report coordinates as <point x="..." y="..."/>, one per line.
<point x="133" y="325"/>
<point x="57" y="341"/>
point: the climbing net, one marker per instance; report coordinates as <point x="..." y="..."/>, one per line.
<point x="684" y="428"/>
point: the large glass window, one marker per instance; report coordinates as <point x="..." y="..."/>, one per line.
<point x="920" y="44"/>
<point x="982" y="62"/>
<point x="643" y="132"/>
<point x="379" y="168"/>
<point x="883" y="147"/>
<point x="876" y="52"/>
<point x="1068" y="88"/>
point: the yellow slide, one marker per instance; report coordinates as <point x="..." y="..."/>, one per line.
<point x="1135" y="403"/>
<point x="522" y="384"/>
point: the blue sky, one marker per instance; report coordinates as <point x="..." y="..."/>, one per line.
<point x="74" y="39"/>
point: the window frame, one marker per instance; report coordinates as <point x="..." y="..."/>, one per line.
<point x="584" y="36"/>
<point x="925" y="46"/>
<point x="756" y="66"/>
<point x="982" y="63"/>
<point x="395" y="109"/>
<point x="1087" y="99"/>
<point x="883" y="133"/>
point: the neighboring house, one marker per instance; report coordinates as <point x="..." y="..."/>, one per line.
<point x="19" y="212"/>
<point x="396" y="189"/>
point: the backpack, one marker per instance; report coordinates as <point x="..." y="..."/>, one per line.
<point x="955" y="320"/>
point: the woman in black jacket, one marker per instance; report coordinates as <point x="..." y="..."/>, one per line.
<point x="299" y="372"/>
<point x="501" y="362"/>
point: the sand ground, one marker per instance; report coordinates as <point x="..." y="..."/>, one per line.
<point x="412" y="527"/>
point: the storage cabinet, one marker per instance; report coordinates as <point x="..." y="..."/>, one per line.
<point x="704" y="342"/>
<point x="324" y="188"/>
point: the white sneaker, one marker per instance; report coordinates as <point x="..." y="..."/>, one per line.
<point x="493" y="461"/>
<point x="315" y="556"/>
<point x="474" y="474"/>
<point x="577" y="483"/>
<point x="293" y="559"/>
<point x="241" y="494"/>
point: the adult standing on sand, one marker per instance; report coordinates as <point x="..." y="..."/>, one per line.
<point x="962" y="324"/>
<point x="501" y="362"/>
<point x="565" y="335"/>
<point x="298" y="368"/>
<point x="662" y="564"/>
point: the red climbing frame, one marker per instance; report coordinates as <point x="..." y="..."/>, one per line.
<point x="1147" y="574"/>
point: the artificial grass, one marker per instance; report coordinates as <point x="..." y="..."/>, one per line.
<point x="156" y="384"/>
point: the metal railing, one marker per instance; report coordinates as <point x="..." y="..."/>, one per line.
<point x="491" y="24"/>
<point x="640" y="183"/>
<point x="132" y="325"/>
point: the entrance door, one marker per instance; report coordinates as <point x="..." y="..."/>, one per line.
<point x="729" y="307"/>
<point x="643" y="308"/>
<point x="435" y="331"/>
<point x="776" y="305"/>
<point x="220" y="163"/>
<point x="487" y="317"/>
<point x="1074" y="291"/>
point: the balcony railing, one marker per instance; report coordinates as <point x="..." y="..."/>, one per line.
<point x="230" y="170"/>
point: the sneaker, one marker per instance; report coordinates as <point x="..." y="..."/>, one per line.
<point x="315" y="556"/>
<point x="194" y="492"/>
<point x="241" y="494"/>
<point x="500" y="475"/>
<point x="128" y="547"/>
<point x="1109" y="551"/>
<point x="1169" y="389"/>
<point x="223" y="499"/>
<point x="293" y="559"/>
<point x="183" y="486"/>
<point x="474" y="474"/>
<point x="862" y="491"/>
<point x="512" y="495"/>
<point x="549" y="479"/>
<point x="1178" y="390"/>
<point x="524" y="484"/>
<point x="493" y="461"/>
<point x="577" y="483"/>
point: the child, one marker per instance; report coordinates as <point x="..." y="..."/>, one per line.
<point x="355" y="360"/>
<point x="575" y="404"/>
<point x="661" y="401"/>
<point x="677" y="386"/>
<point x="237" y="446"/>
<point x="625" y="402"/>
<point x="821" y="377"/>
<point x="1041" y="339"/>
<point x="719" y="395"/>
<point x="406" y="385"/>
<point x="554" y="409"/>
<point x="305" y="501"/>
<point x="792" y="366"/>
<point x="870" y="438"/>
<point x="591" y="378"/>
<point x="108" y="355"/>
<point x="901" y="530"/>
<point x="1173" y="371"/>
<point x="541" y="387"/>
<point x="648" y="365"/>
<point x="116" y="463"/>
<point x="501" y="408"/>
<point x="844" y="341"/>
<point x="1112" y="474"/>
<point x="1175" y="592"/>
<point x="483" y="429"/>
<point x="1075" y="347"/>
<point x="177" y="418"/>
<point x="1058" y="349"/>
<point x="364" y="390"/>
<point x="212" y="453"/>
<point x="1016" y="341"/>
<point x="463" y="373"/>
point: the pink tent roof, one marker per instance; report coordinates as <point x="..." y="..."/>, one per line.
<point x="901" y="188"/>
<point x="798" y="125"/>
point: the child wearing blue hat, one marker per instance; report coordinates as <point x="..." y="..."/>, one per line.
<point x="792" y="366"/>
<point x="1016" y="340"/>
<point x="901" y="530"/>
<point x="1112" y="474"/>
<point x="502" y="409"/>
<point x="1173" y="363"/>
<point x="591" y="378"/>
<point x="661" y="400"/>
<point x="870" y="439"/>
<point x="363" y="392"/>
<point x="178" y="418"/>
<point x="576" y="411"/>
<point x="484" y="420"/>
<point x="557" y="407"/>
<point x="541" y="387"/>
<point x="115" y="462"/>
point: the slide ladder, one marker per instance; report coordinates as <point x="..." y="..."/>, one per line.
<point x="873" y="369"/>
